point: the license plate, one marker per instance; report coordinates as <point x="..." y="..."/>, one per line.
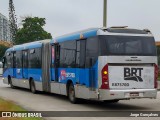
<point x="134" y="94"/>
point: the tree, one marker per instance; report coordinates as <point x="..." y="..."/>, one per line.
<point x="32" y="30"/>
<point x="3" y="49"/>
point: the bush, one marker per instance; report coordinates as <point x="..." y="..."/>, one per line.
<point x="3" y="48"/>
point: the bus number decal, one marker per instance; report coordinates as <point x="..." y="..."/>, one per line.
<point x="65" y="75"/>
<point x="71" y="75"/>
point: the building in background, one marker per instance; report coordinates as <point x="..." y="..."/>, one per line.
<point x="158" y="43"/>
<point x="4" y="29"/>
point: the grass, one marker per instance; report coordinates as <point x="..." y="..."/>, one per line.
<point x="10" y="106"/>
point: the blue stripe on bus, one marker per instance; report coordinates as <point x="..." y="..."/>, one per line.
<point x="80" y="76"/>
<point x="36" y="74"/>
<point x="76" y="75"/>
<point x="83" y="76"/>
<point x="25" y="46"/>
<point x="75" y="36"/>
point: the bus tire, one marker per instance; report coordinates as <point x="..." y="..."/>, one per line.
<point x="10" y="82"/>
<point x="71" y="94"/>
<point x="32" y="87"/>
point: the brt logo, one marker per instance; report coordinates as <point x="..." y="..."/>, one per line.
<point x="133" y="74"/>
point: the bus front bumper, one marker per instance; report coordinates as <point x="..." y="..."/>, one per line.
<point x="127" y="94"/>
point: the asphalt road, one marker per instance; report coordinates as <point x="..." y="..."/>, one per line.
<point x="52" y="102"/>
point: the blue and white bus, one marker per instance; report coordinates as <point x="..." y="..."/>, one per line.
<point x="108" y="64"/>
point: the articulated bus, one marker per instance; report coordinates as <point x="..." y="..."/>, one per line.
<point x="107" y="64"/>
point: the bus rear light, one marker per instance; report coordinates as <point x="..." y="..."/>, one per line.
<point x="104" y="74"/>
<point x="155" y="76"/>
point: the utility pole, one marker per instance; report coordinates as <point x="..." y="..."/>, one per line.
<point x="12" y="22"/>
<point x="105" y="14"/>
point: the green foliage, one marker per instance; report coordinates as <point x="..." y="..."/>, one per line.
<point x="32" y="30"/>
<point x="3" y="48"/>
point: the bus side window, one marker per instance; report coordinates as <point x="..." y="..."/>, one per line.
<point x="14" y="59"/>
<point x="55" y="54"/>
<point x="18" y="59"/>
<point x="8" y="60"/>
<point x="68" y="54"/>
<point x="91" y="51"/>
<point x="81" y="54"/>
<point x="78" y="54"/>
<point x="3" y="62"/>
<point x="38" y="57"/>
<point x="35" y="59"/>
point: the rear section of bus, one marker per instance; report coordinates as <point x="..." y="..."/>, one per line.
<point x="127" y="64"/>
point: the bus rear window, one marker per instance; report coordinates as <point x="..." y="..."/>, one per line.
<point x="127" y="45"/>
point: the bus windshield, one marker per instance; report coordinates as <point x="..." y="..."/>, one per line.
<point x="127" y="45"/>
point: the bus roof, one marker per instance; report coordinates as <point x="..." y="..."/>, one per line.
<point x="77" y="35"/>
<point x="95" y="31"/>
<point x="31" y="45"/>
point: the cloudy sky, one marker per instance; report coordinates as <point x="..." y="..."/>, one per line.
<point x="66" y="16"/>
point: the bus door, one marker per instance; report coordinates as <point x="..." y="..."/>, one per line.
<point x="55" y="62"/>
<point x="18" y="65"/>
<point x="25" y="64"/>
<point x="46" y="59"/>
<point x="80" y="62"/>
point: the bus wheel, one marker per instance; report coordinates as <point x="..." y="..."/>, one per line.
<point x="10" y="82"/>
<point x="32" y="87"/>
<point x="71" y="94"/>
